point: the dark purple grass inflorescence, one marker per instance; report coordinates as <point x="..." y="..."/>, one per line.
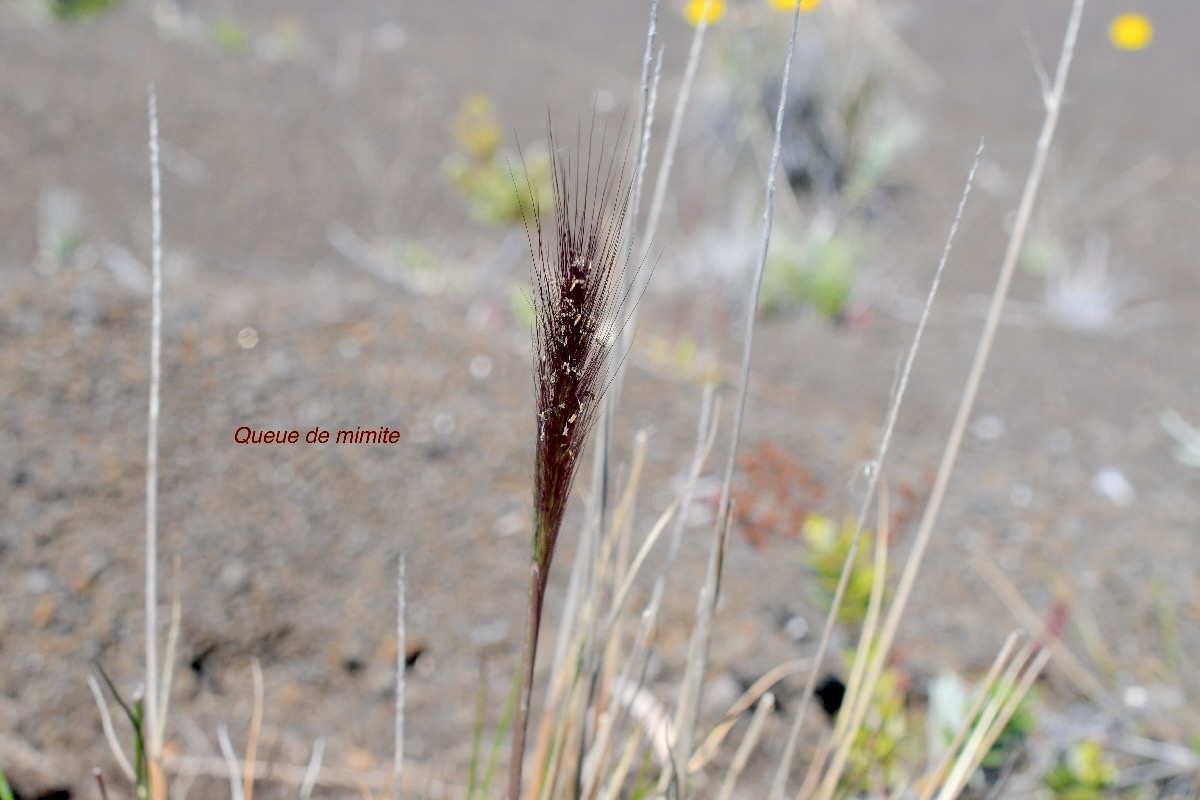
<point x="578" y="297"/>
<point x="577" y="301"/>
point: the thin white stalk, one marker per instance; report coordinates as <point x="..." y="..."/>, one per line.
<point x="164" y="691"/>
<point x="677" y="507"/>
<point x="255" y="729"/>
<point x="110" y="735"/>
<point x="711" y="745"/>
<point x="783" y="772"/>
<point x="710" y="407"/>
<point x="971" y="390"/>
<point x="151" y="721"/>
<point x="585" y="556"/>
<point x="649" y="616"/>
<point x="934" y="779"/>
<point x="1068" y="664"/>
<point x="231" y="763"/>
<point x="698" y="657"/>
<point x="672" y="143"/>
<point x="649" y="91"/>
<point x="860" y="690"/>
<point x="401" y="661"/>
<point x="1032" y="671"/>
<point x="749" y="742"/>
<point x="434" y="782"/>
<point x="312" y="770"/>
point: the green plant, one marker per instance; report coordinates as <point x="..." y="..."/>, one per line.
<point x="75" y="10"/>
<point x="1084" y="772"/>
<point x="231" y="35"/>
<point x="818" y="274"/>
<point x="950" y="711"/>
<point x="136" y="716"/>
<point x="828" y="551"/>
<point x="480" y="785"/>
<point x="479" y="170"/>
<point x="880" y="758"/>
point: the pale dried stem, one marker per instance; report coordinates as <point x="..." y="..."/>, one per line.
<point x="864" y="674"/>
<point x="783" y="772"/>
<point x="972" y="757"/>
<point x="971" y="389"/>
<point x="418" y="777"/>
<point x="110" y="735"/>
<point x="693" y="683"/>
<point x="232" y="768"/>
<point x="256" y="718"/>
<point x="401" y="664"/>
<point x="668" y="159"/>
<point x="314" y="769"/>
<point x="1072" y="667"/>
<point x="987" y="337"/>
<point x="582" y="576"/>
<point x="151" y="587"/>
<point x="164" y="693"/>
<point x="935" y="778"/>
<point x="749" y="742"/>
<point x="711" y="745"/>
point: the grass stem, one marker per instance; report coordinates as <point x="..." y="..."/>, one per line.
<point x="693" y="685"/>
<point x="151" y="588"/>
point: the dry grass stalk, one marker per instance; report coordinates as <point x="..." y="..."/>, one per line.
<point x="693" y="682"/>
<point x="154" y="739"/>
<point x="864" y="673"/>
<point x="1072" y="667"/>
<point x="1024" y="670"/>
<point x="418" y="778"/>
<point x="255" y="729"/>
<point x="935" y="778"/>
<point x="874" y="472"/>
<point x="401" y="663"/>
<point x="1053" y="101"/>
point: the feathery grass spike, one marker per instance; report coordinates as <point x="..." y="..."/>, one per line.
<point x="578" y="302"/>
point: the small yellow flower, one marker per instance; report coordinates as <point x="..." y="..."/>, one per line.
<point x="694" y="11"/>
<point x="806" y="6"/>
<point x="1130" y="31"/>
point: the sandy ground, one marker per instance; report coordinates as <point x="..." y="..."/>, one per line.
<point x="288" y="555"/>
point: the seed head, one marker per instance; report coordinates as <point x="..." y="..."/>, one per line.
<point x="577" y="303"/>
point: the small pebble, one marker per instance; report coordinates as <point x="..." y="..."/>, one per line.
<point x="796" y="627"/>
<point x="480" y="367"/>
<point x="1110" y="482"/>
<point x="1135" y="697"/>
<point x="443" y="423"/>
<point x="235" y="577"/>
<point x="247" y="338"/>
<point x="37" y="581"/>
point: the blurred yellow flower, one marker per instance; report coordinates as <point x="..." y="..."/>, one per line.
<point x="806" y="6"/>
<point x="1130" y="31"/>
<point x="694" y="11"/>
<point x="475" y="127"/>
